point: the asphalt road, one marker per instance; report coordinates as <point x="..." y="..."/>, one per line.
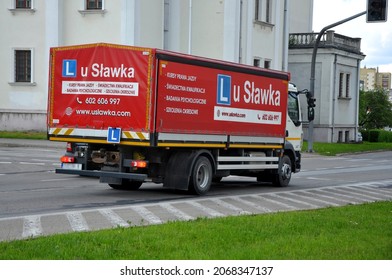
<point x="35" y="201"/>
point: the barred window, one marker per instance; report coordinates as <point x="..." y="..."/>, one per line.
<point x="344" y="85"/>
<point x="22" y="66"/>
<point x="93" y="4"/>
<point x="348" y="85"/>
<point x="341" y="82"/>
<point x="22" y="4"/>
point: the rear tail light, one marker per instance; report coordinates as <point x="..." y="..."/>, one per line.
<point x="139" y="163"/>
<point x="67" y="159"/>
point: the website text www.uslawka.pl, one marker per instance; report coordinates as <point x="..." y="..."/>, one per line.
<point x="99" y="112"/>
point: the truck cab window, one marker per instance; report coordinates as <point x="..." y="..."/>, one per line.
<point x="293" y="107"/>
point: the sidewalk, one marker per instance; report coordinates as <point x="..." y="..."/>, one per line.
<point x="7" y="142"/>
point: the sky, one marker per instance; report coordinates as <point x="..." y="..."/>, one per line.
<point x="376" y="41"/>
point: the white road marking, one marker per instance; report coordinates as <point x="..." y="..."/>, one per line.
<point x="251" y="204"/>
<point x="32" y="226"/>
<point x="32" y="163"/>
<point x="321" y="195"/>
<point x="115" y="219"/>
<point x="311" y="205"/>
<point x="366" y="196"/>
<point x="205" y="209"/>
<point x="319" y="179"/>
<point x="317" y="199"/>
<point x="77" y="221"/>
<point x="227" y="205"/>
<point x="176" y="212"/>
<point x="285" y="205"/>
<point x="55" y="180"/>
<point x="147" y="214"/>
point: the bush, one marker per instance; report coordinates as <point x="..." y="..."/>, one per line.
<point x="373" y="135"/>
<point x="385" y="136"/>
<point x="377" y="135"/>
<point x="365" y="135"/>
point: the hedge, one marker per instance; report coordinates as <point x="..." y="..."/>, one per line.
<point x="377" y="135"/>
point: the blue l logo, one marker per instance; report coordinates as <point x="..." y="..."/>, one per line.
<point x="69" y="68"/>
<point x="114" y="135"/>
<point x="223" y="93"/>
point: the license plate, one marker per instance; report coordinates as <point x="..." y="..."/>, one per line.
<point x="73" y="166"/>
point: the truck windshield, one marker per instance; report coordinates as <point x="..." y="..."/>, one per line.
<point x="293" y="107"/>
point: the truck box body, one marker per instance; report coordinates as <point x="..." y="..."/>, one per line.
<point x="149" y="92"/>
<point x="141" y="114"/>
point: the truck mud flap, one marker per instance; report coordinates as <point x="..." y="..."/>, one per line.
<point x="178" y="170"/>
<point x="98" y="174"/>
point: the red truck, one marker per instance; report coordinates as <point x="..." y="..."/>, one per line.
<point x="132" y="115"/>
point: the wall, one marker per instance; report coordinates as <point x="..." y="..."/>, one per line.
<point x="18" y="31"/>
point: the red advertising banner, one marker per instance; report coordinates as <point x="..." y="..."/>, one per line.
<point x="199" y="99"/>
<point x="100" y="86"/>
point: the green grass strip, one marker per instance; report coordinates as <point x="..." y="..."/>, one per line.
<point x="354" y="232"/>
<point x="23" y="135"/>
<point x="333" y="149"/>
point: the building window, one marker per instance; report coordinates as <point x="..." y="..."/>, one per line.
<point x="94" y="4"/>
<point x="22" y="4"/>
<point x="93" y="7"/>
<point x="267" y="64"/>
<point x="263" y="10"/>
<point x="344" y="85"/>
<point x="268" y="11"/>
<point x="257" y="10"/>
<point x="256" y="62"/>
<point x="23" y="67"/>
<point x="341" y="81"/>
<point x="348" y="85"/>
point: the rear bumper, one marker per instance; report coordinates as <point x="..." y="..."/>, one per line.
<point x="100" y="174"/>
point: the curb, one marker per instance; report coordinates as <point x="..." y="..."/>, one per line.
<point x="8" y="142"/>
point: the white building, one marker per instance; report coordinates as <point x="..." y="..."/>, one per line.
<point x="336" y="83"/>
<point x="249" y="31"/>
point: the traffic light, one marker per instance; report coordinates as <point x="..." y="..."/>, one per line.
<point x="376" y="10"/>
<point x="311" y="100"/>
<point x="311" y="104"/>
<point x="310" y="114"/>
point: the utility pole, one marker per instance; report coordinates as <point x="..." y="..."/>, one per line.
<point x="312" y="74"/>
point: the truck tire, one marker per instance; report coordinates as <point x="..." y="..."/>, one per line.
<point x="201" y="176"/>
<point x="282" y="179"/>
<point x="127" y="185"/>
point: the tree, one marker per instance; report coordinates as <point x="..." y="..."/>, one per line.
<point x="375" y="109"/>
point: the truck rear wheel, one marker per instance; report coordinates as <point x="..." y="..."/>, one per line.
<point x="201" y="176"/>
<point x="127" y="185"/>
<point x="282" y="179"/>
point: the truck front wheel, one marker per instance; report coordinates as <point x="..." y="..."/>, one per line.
<point x="282" y="179"/>
<point x="201" y="176"/>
